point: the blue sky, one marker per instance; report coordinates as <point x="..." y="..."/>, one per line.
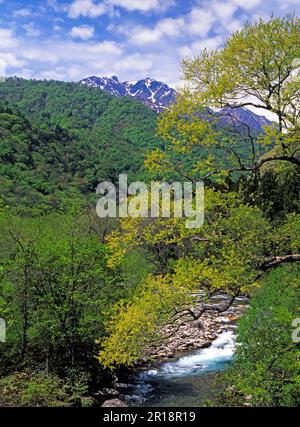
<point x="133" y="39"/>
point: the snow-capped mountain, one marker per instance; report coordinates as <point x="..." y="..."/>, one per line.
<point x="156" y="95"/>
<point x="159" y="96"/>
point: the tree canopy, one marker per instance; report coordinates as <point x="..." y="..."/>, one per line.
<point x="238" y="244"/>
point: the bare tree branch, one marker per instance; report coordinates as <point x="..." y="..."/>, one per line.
<point x="277" y="260"/>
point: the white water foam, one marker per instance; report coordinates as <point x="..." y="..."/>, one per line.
<point x="209" y="359"/>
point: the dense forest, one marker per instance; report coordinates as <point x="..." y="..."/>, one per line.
<point x="53" y="149"/>
<point x="84" y="298"/>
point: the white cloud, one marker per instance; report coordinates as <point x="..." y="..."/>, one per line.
<point x="7" y="39"/>
<point x="153" y="50"/>
<point x="57" y="6"/>
<point x="224" y="10"/>
<point x="86" y="8"/>
<point x="44" y="54"/>
<point x="199" y="22"/>
<point x="138" y="62"/>
<point x="58" y="74"/>
<point x="217" y="15"/>
<point x="22" y="12"/>
<point x="195" y="47"/>
<point x="234" y="25"/>
<point x="141" y="35"/>
<point x="84" y="32"/>
<point x="71" y="52"/>
<point x="93" y="9"/>
<point x="11" y="60"/>
<point x="64" y="59"/>
<point x="141" y="5"/>
<point x="106" y="47"/>
<point x="57" y="28"/>
<point x="71" y="60"/>
<point x="248" y="4"/>
<point x="31" y="30"/>
<point x="170" y="27"/>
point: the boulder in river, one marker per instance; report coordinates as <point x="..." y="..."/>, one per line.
<point x="121" y="385"/>
<point x="114" y="403"/>
<point x="109" y="392"/>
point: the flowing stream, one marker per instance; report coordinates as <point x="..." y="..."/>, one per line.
<point x="186" y="380"/>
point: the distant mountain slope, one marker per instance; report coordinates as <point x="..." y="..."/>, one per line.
<point x="159" y="96"/>
<point x="242" y="117"/>
<point x="58" y="140"/>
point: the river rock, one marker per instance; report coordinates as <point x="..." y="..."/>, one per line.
<point x="197" y="345"/>
<point x="196" y="324"/>
<point x="109" y="392"/>
<point x="114" y="403"/>
<point x="121" y="385"/>
<point x="188" y="334"/>
<point x="232" y="317"/>
<point x="210" y="336"/>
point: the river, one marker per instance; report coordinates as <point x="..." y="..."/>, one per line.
<point x="187" y="380"/>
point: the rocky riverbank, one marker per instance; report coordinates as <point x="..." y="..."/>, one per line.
<point x="186" y="335"/>
<point x="181" y="337"/>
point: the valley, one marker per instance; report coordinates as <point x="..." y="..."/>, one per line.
<point x="152" y="309"/>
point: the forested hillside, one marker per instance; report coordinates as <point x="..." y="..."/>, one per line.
<point x="69" y="138"/>
<point x="85" y="299"/>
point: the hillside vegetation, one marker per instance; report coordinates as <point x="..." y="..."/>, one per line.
<point x="66" y="138"/>
<point x="61" y="139"/>
<point x="82" y="296"/>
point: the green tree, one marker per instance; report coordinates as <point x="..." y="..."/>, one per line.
<point x="237" y="243"/>
<point x="230" y="253"/>
<point x="266" y="369"/>
<point x="55" y="290"/>
<point x="258" y="67"/>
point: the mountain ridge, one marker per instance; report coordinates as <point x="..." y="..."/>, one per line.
<point x="159" y="96"/>
<point x="155" y="94"/>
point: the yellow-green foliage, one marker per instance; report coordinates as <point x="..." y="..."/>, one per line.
<point x="259" y="60"/>
<point x="258" y="67"/>
<point x="222" y="255"/>
<point x="136" y="324"/>
<point x="225" y="255"/>
<point x="228" y="251"/>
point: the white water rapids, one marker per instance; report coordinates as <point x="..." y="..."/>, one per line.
<point x="209" y="359"/>
<point x="187" y="380"/>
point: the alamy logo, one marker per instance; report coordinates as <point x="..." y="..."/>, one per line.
<point x="2" y="330"/>
<point x="178" y="200"/>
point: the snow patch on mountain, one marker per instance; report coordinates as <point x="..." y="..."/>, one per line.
<point x="157" y="95"/>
